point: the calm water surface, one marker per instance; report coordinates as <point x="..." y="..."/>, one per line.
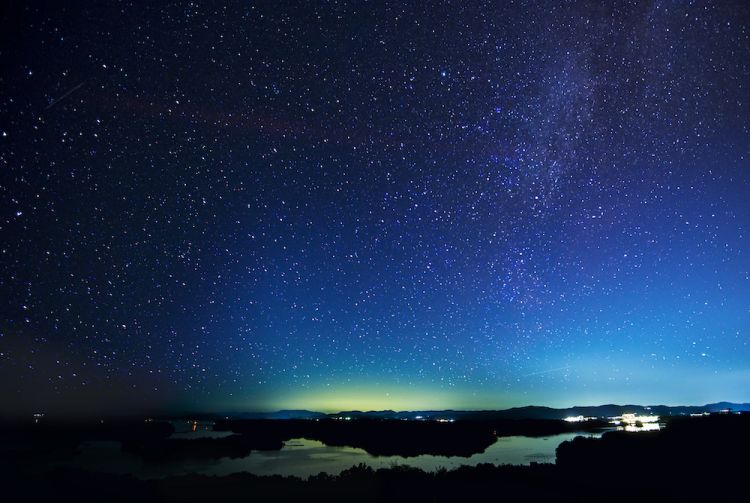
<point x="303" y="457"/>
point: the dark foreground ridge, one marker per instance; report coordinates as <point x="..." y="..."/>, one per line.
<point x="693" y="459"/>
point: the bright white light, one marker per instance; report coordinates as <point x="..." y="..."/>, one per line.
<point x="633" y="418"/>
<point x="633" y="422"/>
<point x="575" y="419"/>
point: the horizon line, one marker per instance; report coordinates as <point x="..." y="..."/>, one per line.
<point x="228" y="413"/>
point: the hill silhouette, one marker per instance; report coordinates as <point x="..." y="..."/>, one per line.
<point x="526" y="412"/>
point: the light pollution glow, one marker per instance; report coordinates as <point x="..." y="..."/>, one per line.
<point x="335" y="399"/>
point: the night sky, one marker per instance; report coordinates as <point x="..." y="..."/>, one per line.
<point x="371" y="205"/>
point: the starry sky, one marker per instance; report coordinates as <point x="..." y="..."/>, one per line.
<point x="335" y="205"/>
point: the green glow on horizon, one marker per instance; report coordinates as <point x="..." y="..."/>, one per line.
<point x="373" y="397"/>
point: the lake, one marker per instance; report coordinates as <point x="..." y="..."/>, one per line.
<point x="303" y="457"/>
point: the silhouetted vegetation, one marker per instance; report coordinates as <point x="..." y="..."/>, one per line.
<point x="689" y="448"/>
<point x="693" y="459"/>
<point x="377" y="437"/>
<point x="402" y="438"/>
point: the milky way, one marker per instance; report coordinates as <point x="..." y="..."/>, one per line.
<point x="373" y="205"/>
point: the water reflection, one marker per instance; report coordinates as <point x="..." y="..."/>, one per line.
<point x="303" y="457"/>
<point x="641" y="427"/>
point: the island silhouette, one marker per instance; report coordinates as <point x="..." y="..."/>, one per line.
<point x="698" y="457"/>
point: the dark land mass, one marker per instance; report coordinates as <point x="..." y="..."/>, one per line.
<point x="388" y="437"/>
<point x="151" y="440"/>
<point x="693" y="459"/>
<point x="529" y="412"/>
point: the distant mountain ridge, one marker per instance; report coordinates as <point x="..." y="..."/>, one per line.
<point x="528" y="412"/>
<point x="283" y="414"/>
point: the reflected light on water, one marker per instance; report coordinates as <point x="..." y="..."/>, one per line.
<point x="302" y="457"/>
<point x="643" y="427"/>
